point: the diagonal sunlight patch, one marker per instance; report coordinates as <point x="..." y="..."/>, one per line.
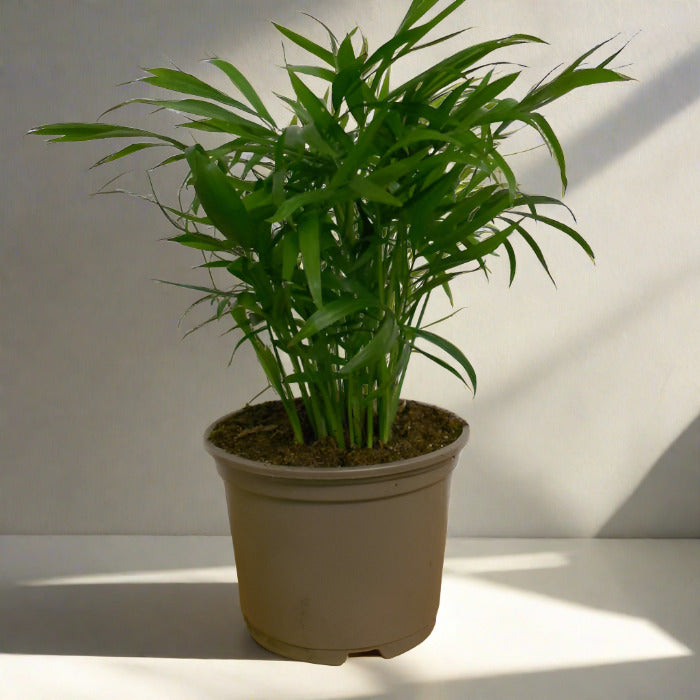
<point x="509" y="562"/>
<point x="213" y="574"/>
<point x="489" y="629"/>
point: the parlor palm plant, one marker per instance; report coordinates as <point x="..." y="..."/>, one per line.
<point x="337" y="228"/>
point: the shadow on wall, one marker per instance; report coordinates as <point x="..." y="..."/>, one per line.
<point x="490" y="490"/>
<point x="610" y="137"/>
<point x="650" y="300"/>
<point x="650" y="107"/>
<point x="668" y="498"/>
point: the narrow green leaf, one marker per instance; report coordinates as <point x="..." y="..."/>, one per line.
<point x="434" y="42"/>
<point x="241" y="82"/>
<point x="202" y="108"/>
<point x="197" y="288"/>
<point x="415" y="11"/>
<point x="421" y="210"/>
<point x="346" y="54"/>
<point x="575" y="235"/>
<point x="573" y="66"/>
<point x="396" y="170"/>
<point x="448" y="293"/>
<point x="168" y="161"/>
<point x="231" y="126"/>
<point x="385" y="86"/>
<point x="552" y="142"/>
<point x="249" y="302"/>
<point x="359" y="154"/>
<point x="322" y="119"/>
<point x="504" y="111"/>
<point x="445" y="365"/>
<point x="132" y="148"/>
<point x="264" y="354"/>
<point x="219" y="198"/>
<point x="451" y="68"/>
<point x="179" y="81"/>
<point x="214" y="263"/>
<point x="531" y="200"/>
<point x="566" y="82"/>
<point x="313" y="48"/>
<point x="332" y="313"/>
<point x="444" y="318"/>
<point x="377" y="348"/>
<point x="535" y="249"/>
<point x="318" y="144"/>
<point x="373" y="192"/>
<point x="201" y="241"/>
<point x="457" y="138"/>
<point x="487" y="211"/>
<point x="472" y="253"/>
<point x="316" y="71"/>
<point x="503" y="166"/>
<point x="309" y="246"/>
<point x="511" y="260"/>
<point x="293" y="204"/>
<point x="344" y="84"/>
<point x="81" y="131"/>
<point x="331" y="36"/>
<point x="290" y="253"/>
<point x="451" y="349"/>
<point x="407" y="35"/>
<point x="482" y="95"/>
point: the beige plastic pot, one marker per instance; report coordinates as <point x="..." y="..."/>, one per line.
<point x="332" y="562"/>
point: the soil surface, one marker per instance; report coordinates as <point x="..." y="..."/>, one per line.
<point x="262" y="432"/>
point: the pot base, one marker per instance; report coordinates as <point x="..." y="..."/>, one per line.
<point x="336" y="657"/>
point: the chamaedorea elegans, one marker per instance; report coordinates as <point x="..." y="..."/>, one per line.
<point x="337" y="228"/>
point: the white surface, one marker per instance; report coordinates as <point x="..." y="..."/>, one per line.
<point x="157" y="617"/>
<point x="584" y="390"/>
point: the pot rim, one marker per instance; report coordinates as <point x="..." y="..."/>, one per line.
<point x="384" y="469"/>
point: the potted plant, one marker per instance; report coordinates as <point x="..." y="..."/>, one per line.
<point x="323" y="241"/>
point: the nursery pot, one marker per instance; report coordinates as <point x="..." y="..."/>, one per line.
<point x="335" y="561"/>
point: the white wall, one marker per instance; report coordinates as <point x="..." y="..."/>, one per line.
<point x="585" y="421"/>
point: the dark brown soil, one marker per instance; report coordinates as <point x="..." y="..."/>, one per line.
<point x="262" y="432"/>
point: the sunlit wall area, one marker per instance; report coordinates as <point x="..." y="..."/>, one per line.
<point x="586" y="418"/>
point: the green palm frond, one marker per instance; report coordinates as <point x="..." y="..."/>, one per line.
<point x="337" y="228"/>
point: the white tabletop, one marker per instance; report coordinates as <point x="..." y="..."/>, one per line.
<point x="157" y="617"/>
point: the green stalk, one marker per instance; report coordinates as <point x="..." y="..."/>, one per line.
<point x="348" y="224"/>
<point x="308" y="397"/>
<point x="406" y="354"/>
<point x="287" y="396"/>
<point x="355" y="409"/>
<point x="369" y="409"/>
<point x="303" y="390"/>
<point x="316" y="418"/>
<point x="351" y="418"/>
<point x="370" y="425"/>
<point x="336" y="428"/>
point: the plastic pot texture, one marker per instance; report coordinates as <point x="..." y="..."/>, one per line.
<point x="333" y="562"/>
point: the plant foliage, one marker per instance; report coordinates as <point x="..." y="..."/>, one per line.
<point x="337" y="228"/>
